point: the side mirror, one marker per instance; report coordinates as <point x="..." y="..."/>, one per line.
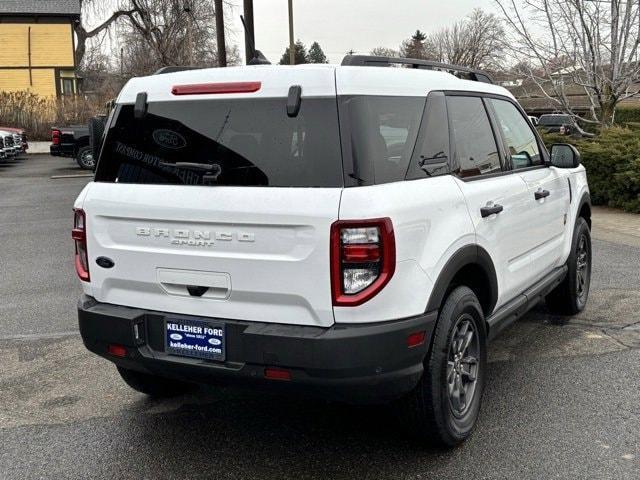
<point x="564" y="155"/>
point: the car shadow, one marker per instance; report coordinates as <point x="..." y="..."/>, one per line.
<point x="273" y="435"/>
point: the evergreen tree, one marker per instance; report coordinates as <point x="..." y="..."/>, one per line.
<point x="300" y="54"/>
<point x="316" y="55"/>
<point x="414" y="47"/>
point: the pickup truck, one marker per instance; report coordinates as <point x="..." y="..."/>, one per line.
<point x="73" y="142"/>
<point x="563" y="124"/>
<point x="21" y="133"/>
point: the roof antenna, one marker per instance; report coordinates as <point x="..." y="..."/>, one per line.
<point x="258" y="57"/>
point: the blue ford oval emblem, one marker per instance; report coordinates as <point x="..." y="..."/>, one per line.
<point x="169" y="139"/>
<point x="175" y="336"/>
<point x="214" y="341"/>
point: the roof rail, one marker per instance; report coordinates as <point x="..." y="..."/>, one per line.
<point x="374" y="61"/>
<point x="175" y="68"/>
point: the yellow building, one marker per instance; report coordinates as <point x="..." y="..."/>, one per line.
<point x="37" y="46"/>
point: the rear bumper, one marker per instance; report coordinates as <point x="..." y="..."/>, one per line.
<point x="62" y="150"/>
<point x="368" y="363"/>
<point x="55" y="150"/>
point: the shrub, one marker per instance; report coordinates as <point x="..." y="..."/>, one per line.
<point x="612" y="161"/>
<point x="38" y="114"/>
<point x="625" y="115"/>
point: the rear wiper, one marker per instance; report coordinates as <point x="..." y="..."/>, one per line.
<point x="199" y="167"/>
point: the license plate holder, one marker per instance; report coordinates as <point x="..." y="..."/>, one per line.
<point x="203" y="339"/>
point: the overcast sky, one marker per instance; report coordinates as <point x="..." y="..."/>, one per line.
<point x="341" y="25"/>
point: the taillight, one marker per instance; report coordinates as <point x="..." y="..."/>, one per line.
<point x="363" y="259"/>
<point x="79" y="235"/>
<point x="55" y="137"/>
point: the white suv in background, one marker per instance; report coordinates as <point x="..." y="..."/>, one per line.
<point x="352" y="231"/>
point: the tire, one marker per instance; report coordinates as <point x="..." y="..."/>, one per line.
<point x="85" y="158"/>
<point x="570" y="297"/>
<point x="157" y="387"/>
<point x="430" y="412"/>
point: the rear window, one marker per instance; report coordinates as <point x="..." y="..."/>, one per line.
<point x="248" y="142"/>
<point x="554" y="120"/>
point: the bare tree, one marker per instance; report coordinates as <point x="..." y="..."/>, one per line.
<point x="384" y="52"/>
<point x="475" y="41"/>
<point x="91" y="8"/>
<point x="171" y="32"/>
<point x="586" y="45"/>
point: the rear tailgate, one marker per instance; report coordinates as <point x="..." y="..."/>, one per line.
<point x="263" y="252"/>
<point x="219" y="203"/>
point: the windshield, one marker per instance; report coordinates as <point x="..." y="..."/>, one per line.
<point x="554" y="120"/>
<point x="225" y="142"/>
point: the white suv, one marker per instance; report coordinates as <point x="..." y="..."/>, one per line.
<point x="353" y="231"/>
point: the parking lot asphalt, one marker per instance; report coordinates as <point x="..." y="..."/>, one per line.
<point x="562" y="399"/>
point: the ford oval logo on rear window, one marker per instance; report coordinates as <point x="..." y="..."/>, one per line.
<point x="175" y="336"/>
<point x="214" y="341"/>
<point x="169" y="139"/>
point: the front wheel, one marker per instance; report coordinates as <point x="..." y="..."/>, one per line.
<point x="444" y="406"/>
<point x="85" y="158"/>
<point x="570" y="297"/>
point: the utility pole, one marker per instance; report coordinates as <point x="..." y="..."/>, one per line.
<point x="292" y="47"/>
<point x="187" y="10"/>
<point x="249" y="36"/>
<point x="222" y="48"/>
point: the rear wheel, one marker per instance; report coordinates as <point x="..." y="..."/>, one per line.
<point x="85" y="158"/>
<point x="152" y="385"/>
<point x="443" y="408"/>
<point x="570" y="297"/>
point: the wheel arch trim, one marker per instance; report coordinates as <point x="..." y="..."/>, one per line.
<point x="464" y="256"/>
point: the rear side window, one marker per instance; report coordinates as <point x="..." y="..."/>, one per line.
<point x="475" y="146"/>
<point x="225" y="142"/>
<point x="520" y="139"/>
<point x="431" y="155"/>
<point x="379" y="134"/>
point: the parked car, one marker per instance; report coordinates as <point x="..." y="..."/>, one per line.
<point x="563" y="124"/>
<point x="354" y="232"/>
<point x="22" y="136"/>
<point x="3" y="154"/>
<point x="10" y="149"/>
<point x="533" y="120"/>
<point x="73" y="142"/>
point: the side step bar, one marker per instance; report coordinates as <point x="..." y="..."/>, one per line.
<point x="514" y="309"/>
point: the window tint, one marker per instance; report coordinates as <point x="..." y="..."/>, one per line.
<point x="431" y="155"/>
<point x="379" y="135"/>
<point x="475" y="145"/>
<point x="521" y="141"/>
<point x="225" y="142"/>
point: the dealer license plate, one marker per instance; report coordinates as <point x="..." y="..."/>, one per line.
<point x="195" y="338"/>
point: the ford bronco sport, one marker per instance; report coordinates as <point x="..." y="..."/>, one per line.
<point x="356" y="232"/>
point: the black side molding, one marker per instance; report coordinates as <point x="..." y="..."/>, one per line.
<point x="514" y="309"/>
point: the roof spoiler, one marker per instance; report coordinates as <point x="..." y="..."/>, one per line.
<point x="375" y="61"/>
<point x="175" y="68"/>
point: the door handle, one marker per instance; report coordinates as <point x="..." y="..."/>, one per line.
<point x="541" y="194"/>
<point x="490" y="210"/>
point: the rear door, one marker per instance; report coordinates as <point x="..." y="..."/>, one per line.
<point x="219" y="208"/>
<point x="496" y="199"/>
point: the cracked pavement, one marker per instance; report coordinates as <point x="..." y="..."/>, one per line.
<point x="562" y="400"/>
